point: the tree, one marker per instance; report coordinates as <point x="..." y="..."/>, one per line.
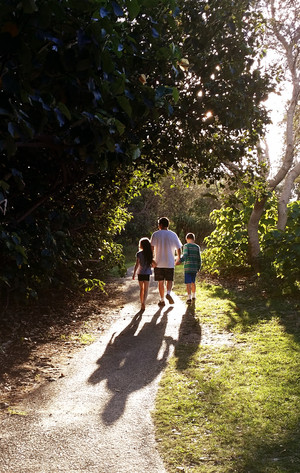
<point x="283" y="28"/>
<point x="220" y="113"/>
<point x="92" y="94"/>
<point x="72" y="102"/>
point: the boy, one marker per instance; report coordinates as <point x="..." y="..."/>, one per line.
<point x="192" y="263"/>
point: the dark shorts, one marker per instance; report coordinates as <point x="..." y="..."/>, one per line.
<point x="144" y="277"/>
<point x="164" y="274"/>
<point x="189" y="278"/>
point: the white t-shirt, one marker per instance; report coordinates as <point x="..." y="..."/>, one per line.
<point x="165" y="242"/>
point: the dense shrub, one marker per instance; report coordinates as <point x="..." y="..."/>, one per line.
<point x="281" y="252"/>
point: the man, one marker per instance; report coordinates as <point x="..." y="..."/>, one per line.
<point x="164" y="243"/>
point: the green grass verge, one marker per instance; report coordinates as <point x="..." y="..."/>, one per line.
<point x="230" y="402"/>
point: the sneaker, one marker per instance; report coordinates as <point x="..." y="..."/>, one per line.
<point x="189" y="301"/>
<point x="170" y="298"/>
<point x="161" y="303"/>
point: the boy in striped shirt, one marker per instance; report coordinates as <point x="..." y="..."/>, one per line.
<point x="192" y="263"/>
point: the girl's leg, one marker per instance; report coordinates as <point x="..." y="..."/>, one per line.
<point x="141" y="283"/>
<point x="146" y="287"/>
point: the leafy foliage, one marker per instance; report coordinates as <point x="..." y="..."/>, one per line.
<point x="71" y="105"/>
<point x="227" y="245"/>
<point x="95" y="98"/>
<point x="281" y="252"/>
<point x="219" y="114"/>
<point x="187" y="207"/>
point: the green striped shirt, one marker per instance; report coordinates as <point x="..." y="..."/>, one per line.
<point x="191" y="257"/>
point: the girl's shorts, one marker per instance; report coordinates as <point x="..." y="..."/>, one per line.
<point x="144" y="277"/>
<point x="189" y="278"/>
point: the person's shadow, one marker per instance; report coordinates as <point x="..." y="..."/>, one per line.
<point x="190" y="335"/>
<point x="131" y="361"/>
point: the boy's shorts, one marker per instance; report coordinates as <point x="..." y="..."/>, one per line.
<point x="143" y="277"/>
<point x="163" y="274"/>
<point x="189" y="278"/>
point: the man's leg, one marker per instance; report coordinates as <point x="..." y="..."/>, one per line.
<point x="161" y="289"/>
<point x="169" y="288"/>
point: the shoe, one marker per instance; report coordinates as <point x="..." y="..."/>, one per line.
<point x="170" y="298"/>
<point x="143" y="307"/>
<point x="161" y="303"/>
<point x="189" y="301"/>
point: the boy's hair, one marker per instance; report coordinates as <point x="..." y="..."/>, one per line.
<point x="163" y="222"/>
<point x="190" y="236"/>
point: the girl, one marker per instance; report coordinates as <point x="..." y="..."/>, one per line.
<point x="144" y="262"/>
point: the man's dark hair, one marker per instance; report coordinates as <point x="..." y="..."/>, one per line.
<point x="163" y="222"/>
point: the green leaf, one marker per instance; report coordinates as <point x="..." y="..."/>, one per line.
<point x="29" y="6"/>
<point x="11" y="146"/>
<point x="135" y="152"/>
<point x="133" y="8"/>
<point x="175" y="94"/>
<point x="120" y="126"/>
<point x="4" y="186"/>
<point x="64" y="109"/>
<point x="124" y="103"/>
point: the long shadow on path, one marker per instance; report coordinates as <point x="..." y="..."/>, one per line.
<point x="190" y="336"/>
<point x="132" y="360"/>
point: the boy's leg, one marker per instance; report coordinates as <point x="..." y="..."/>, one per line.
<point x="193" y="290"/>
<point x="188" y="290"/>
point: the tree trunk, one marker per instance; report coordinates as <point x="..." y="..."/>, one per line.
<point x="253" y="223"/>
<point x="285" y="196"/>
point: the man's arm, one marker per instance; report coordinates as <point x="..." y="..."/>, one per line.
<point x="178" y="255"/>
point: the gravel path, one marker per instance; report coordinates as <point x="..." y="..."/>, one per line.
<point x="97" y="418"/>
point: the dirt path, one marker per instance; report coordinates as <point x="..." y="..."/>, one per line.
<point x="97" y="418"/>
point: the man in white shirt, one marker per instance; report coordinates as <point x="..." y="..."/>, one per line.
<point x="164" y="243"/>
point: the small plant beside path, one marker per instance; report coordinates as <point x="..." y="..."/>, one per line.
<point x="231" y="401"/>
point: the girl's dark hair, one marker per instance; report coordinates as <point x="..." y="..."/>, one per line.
<point x="146" y="247"/>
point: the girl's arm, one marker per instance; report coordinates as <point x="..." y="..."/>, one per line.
<point x="153" y="264"/>
<point x="135" y="268"/>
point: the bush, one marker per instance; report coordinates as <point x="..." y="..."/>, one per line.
<point x="281" y="252"/>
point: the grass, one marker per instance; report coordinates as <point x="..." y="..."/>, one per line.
<point x="231" y="403"/>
